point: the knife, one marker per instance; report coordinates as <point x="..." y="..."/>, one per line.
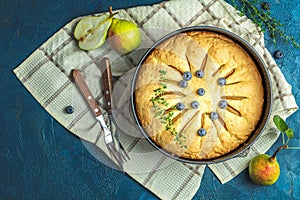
<point x="82" y="86"/>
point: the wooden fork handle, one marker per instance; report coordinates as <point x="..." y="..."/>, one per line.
<point x="85" y="91"/>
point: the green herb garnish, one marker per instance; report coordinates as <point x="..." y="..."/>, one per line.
<point x="262" y="18"/>
<point x="159" y="103"/>
<point x="162" y="111"/>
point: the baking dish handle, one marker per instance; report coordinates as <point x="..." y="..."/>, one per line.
<point x="244" y="153"/>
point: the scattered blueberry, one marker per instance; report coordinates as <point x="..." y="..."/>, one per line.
<point x="202" y="132"/>
<point x="278" y="54"/>
<point x="223" y="104"/>
<point x="187" y="76"/>
<point x="221" y="81"/>
<point x="183" y="83"/>
<point x="195" y="104"/>
<point x="200" y="74"/>
<point x="201" y="91"/>
<point x="214" y="115"/>
<point x="69" y="109"/>
<point x="266" y="5"/>
<point x="180" y="106"/>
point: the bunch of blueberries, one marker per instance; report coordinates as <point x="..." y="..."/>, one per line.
<point x="195" y="104"/>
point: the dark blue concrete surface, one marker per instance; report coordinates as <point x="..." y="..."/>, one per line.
<point x="42" y="160"/>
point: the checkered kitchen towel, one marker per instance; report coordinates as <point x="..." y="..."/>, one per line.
<point x="46" y="74"/>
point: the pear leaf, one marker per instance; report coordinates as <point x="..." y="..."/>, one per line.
<point x="280" y="123"/>
<point x="289" y="133"/>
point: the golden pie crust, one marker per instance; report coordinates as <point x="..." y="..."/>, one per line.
<point x="219" y="57"/>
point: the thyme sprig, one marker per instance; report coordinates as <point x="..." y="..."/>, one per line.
<point x="262" y="18"/>
<point x="160" y="106"/>
<point x="159" y="103"/>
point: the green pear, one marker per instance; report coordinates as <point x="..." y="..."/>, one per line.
<point x="264" y="169"/>
<point x="124" y="36"/>
<point x="91" y="31"/>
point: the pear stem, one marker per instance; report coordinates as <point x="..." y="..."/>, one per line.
<point x="110" y="10"/>
<point x="277" y="150"/>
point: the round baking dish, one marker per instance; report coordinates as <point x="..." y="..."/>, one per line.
<point x="267" y="95"/>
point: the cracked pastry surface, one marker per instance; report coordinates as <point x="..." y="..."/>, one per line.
<point x="242" y="95"/>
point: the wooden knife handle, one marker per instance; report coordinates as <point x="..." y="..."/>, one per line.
<point x="107" y="84"/>
<point x="85" y="91"/>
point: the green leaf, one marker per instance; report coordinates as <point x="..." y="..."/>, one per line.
<point x="289" y="133"/>
<point x="280" y="123"/>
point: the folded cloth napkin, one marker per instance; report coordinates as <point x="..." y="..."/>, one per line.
<point x="46" y="74"/>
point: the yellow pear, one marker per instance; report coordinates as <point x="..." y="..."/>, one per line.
<point x="124" y="36"/>
<point x="264" y="170"/>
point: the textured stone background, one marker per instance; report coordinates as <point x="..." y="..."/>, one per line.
<point x="41" y="160"/>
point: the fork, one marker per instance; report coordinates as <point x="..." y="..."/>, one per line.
<point x="108" y="137"/>
<point x="108" y="96"/>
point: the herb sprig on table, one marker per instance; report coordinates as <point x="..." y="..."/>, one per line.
<point x="259" y="12"/>
<point x="163" y="111"/>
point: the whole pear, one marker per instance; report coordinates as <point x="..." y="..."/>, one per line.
<point x="264" y="169"/>
<point x="123" y="36"/>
